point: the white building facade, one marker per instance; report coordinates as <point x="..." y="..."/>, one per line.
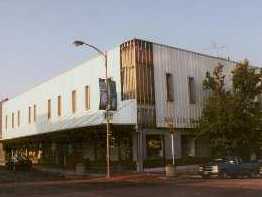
<point x="59" y="120"/>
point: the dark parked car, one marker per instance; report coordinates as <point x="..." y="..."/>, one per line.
<point x="19" y="163"/>
<point x="231" y="168"/>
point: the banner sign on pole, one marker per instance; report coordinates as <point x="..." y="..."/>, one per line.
<point x="111" y="93"/>
<point x="103" y="94"/>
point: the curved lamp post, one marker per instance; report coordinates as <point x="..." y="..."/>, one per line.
<point x="79" y="43"/>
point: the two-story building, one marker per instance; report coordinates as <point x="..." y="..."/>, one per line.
<point x="59" y="122"/>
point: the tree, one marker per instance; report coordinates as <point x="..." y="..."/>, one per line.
<point x="231" y="118"/>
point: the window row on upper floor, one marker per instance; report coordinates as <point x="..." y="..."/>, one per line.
<point x="32" y="110"/>
<point x="170" y="88"/>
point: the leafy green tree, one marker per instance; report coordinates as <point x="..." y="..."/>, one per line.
<point x="231" y="118"/>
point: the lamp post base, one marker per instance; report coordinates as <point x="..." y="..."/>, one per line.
<point x="170" y="170"/>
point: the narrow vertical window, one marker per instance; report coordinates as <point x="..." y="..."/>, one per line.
<point x="13" y="120"/>
<point x="191" y="90"/>
<point x="169" y="87"/>
<point x="49" y="109"/>
<point x="6" y="122"/>
<point x="87" y="97"/>
<point x="59" y="105"/>
<point x="18" y="118"/>
<point x="29" y="115"/>
<point x="74" y="101"/>
<point x="35" y="113"/>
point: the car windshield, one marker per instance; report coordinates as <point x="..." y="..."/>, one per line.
<point x="224" y="161"/>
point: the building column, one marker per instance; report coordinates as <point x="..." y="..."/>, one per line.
<point x="140" y="150"/>
<point x="193" y="147"/>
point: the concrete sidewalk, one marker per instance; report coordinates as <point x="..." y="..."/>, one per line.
<point x="180" y="170"/>
<point x="153" y="175"/>
<point x="188" y="169"/>
<point x="132" y="178"/>
<point x="66" y="173"/>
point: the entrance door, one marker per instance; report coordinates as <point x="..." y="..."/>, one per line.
<point x="155" y="150"/>
<point x="188" y="146"/>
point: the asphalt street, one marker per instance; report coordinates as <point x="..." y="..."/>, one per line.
<point x="154" y="187"/>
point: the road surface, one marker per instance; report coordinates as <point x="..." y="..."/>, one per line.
<point x="161" y="187"/>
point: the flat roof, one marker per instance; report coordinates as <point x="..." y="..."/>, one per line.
<point x="187" y="50"/>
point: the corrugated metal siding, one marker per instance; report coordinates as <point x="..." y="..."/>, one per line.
<point x="145" y="94"/>
<point x="137" y="77"/>
<point x="182" y="64"/>
<point x="63" y="85"/>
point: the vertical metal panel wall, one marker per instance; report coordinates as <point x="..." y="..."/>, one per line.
<point x="128" y="76"/>
<point x="182" y="64"/>
<point x="137" y="79"/>
<point x="145" y="84"/>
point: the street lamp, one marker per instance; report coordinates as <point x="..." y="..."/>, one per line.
<point x="79" y="43"/>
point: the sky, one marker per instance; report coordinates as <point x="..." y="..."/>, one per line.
<point x="36" y="35"/>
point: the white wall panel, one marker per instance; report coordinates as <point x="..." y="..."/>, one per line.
<point x="63" y="85"/>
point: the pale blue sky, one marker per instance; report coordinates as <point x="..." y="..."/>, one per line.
<point x="36" y="35"/>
